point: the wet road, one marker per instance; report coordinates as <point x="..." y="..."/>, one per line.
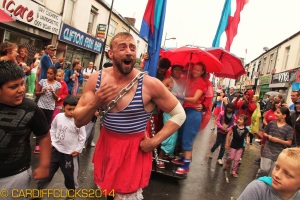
<point x="206" y="180"/>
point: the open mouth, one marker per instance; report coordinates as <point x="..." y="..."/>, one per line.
<point x="127" y="62"/>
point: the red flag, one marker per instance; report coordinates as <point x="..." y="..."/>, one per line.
<point x="233" y="23"/>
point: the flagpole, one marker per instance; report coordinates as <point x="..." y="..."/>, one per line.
<point x="104" y="44"/>
<point x="245" y="57"/>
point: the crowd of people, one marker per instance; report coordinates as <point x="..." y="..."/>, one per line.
<point x="52" y="95"/>
<point x="125" y="98"/>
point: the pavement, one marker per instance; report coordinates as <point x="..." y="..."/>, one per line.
<point x="206" y="180"/>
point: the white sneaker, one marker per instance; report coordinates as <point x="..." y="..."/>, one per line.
<point x="92" y="144"/>
<point x="220" y="161"/>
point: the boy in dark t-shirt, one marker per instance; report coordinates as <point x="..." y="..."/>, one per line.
<point x="18" y="118"/>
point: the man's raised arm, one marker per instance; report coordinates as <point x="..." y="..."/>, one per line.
<point x="90" y="101"/>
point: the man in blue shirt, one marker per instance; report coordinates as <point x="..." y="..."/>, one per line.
<point x="46" y="61"/>
<point x="295" y="95"/>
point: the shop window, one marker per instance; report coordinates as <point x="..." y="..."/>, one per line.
<point x="270" y="63"/>
<point x="32" y="44"/>
<point x="75" y="53"/>
<point x="112" y="27"/>
<point x="93" y="16"/>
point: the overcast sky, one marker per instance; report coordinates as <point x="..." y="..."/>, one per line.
<point x="264" y="23"/>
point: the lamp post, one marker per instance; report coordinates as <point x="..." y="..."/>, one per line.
<point x="105" y="40"/>
<point x="172" y="38"/>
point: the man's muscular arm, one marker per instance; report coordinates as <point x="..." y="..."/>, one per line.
<point x="167" y="102"/>
<point x="90" y="101"/>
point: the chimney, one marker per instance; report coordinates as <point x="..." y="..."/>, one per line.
<point x="131" y="20"/>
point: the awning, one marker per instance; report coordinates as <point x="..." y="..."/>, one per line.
<point x="279" y="85"/>
<point x="4" y="17"/>
<point x="249" y="86"/>
<point x="266" y="87"/>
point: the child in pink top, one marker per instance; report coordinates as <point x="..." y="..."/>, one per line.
<point x="63" y="92"/>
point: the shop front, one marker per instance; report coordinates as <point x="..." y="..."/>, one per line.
<point x="263" y="86"/>
<point x="281" y="82"/>
<point x="34" y="27"/>
<point x="75" y="44"/>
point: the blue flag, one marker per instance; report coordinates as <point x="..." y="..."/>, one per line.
<point x="152" y="30"/>
<point x="223" y="23"/>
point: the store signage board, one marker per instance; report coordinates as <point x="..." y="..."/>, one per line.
<point x="281" y="77"/>
<point x="287" y="76"/>
<point x="101" y="30"/>
<point x="264" y="79"/>
<point x="33" y="14"/>
<point x="298" y="76"/>
<point x="75" y="37"/>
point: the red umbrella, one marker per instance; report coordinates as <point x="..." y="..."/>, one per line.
<point x="184" y="55"/>
<point x="232" y="66"/>
<point x="4" y="17"/>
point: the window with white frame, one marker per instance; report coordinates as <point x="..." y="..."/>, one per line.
<point x="270" y="63"/>
<point x="92" y="18"/>
<point x="112" y="27"/>
<point x="69" y="12"/>
<point x="264" y="63"/>
<point x="286" y="57"/>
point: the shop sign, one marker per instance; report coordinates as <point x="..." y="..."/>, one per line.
<point x="101" y="29"/>
<point x="75" y="37"/>
<point x="297" y="76"/>
<point x="281" y="77"/>
<point x="264" y="79"/>
<point x="33" y="14"/>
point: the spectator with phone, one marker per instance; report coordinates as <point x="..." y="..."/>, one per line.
<point x="245" y="105"/>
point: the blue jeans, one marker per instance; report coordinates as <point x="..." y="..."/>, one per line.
<point x="221" y="139"/>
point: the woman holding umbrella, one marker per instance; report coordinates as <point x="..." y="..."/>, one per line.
<point x="194" y="95"/>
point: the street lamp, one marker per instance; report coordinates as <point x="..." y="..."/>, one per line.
<point x="172" y="38"/>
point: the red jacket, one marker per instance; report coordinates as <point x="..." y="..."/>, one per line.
<point x="63" y="93"/>
<point x="250" y="107"/>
